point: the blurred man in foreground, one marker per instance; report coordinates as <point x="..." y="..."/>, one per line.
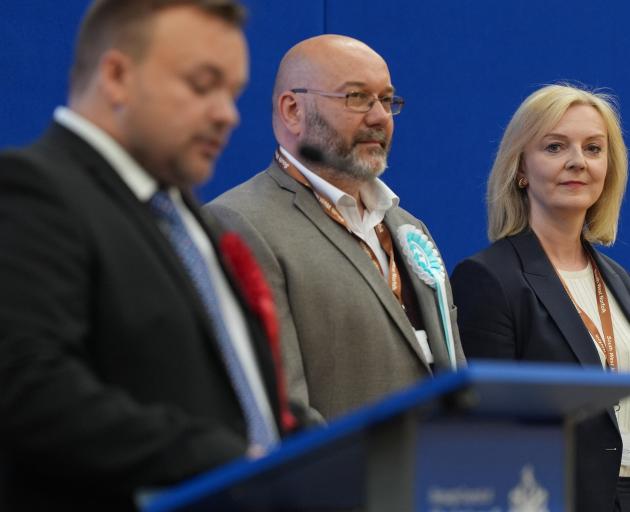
<point x="133" y="353"/>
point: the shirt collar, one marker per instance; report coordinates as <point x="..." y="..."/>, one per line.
<point x="141" y="183"/>
<point x="376" y="196"/>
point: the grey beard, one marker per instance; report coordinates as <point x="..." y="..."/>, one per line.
<point x="322" y="135"/>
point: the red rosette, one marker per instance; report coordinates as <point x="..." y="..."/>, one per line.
<point x="253" y="285"/>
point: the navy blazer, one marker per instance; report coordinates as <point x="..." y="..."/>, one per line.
<point x="512" y="305"/>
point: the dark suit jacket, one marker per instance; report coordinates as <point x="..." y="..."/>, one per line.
<point x="110" y="379"/>
<point x="513" y="306"/>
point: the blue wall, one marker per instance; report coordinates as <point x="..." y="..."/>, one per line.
<point x="463" y="67"/>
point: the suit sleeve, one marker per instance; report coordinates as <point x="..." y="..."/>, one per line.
<point x="485" y="322"/>
<point x="58" y="417"/>
<point x="272" y="268"/>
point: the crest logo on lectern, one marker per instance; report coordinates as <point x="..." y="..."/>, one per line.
<point x="528" y="495"/>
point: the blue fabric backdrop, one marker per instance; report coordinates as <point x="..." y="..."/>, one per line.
<point x="463" y="67"/>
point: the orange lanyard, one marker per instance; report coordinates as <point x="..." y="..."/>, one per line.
<point x="606" y="342"/>
<point x="382" y="233"/>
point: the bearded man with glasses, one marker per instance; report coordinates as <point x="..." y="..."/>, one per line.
<point x="363" y="299"/>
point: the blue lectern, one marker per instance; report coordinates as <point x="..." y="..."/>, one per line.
<point x="490" y="437"/>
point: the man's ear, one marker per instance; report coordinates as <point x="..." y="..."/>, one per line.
<point x="291" y="112"/>
<point x="115" y="71"/>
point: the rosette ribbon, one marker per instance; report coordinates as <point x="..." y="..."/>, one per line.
<point x="424" y="260"/>
<point x="246" y="271"/>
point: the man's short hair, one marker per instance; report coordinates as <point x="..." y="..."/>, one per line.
<point x="123" y="24"/>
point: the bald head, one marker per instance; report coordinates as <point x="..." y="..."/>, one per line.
<point x="315" y="57"/>
<point x="308" y="63"/>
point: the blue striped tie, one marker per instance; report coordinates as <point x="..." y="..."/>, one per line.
<point x="172" y="225"/>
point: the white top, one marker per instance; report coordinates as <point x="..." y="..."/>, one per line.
<point x="582" y="286"/>
<point x="377" y="197"/>
<point x="143" y="185"/>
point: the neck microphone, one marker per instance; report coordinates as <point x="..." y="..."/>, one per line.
<point x="316" y="155"/>
<point x="311" y="153"/>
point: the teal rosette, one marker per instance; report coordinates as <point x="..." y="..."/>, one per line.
<point x="421" y="254"/>
<point x="425" y="262"/>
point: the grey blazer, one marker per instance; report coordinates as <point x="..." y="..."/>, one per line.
<point x="346" y="340"/>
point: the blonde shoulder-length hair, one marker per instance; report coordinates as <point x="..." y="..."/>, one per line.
<point x="508" y="208"/>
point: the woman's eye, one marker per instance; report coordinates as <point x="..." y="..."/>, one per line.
<point x="594" y="148"/>
<point x="554" y="147"/>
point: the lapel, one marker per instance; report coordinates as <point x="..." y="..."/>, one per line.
<point x="540" y="274"/>
<point x="427" y="298"/>
<point x="259" y="341"/>
<point x="93" y="164"/>
<point x="349" y="249"/>
<point x="542" y="278"/>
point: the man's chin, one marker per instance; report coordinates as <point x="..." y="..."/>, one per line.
<point x="373" y="169"/>
<point x="196" y="174"/>
<point x="372" y="157"/>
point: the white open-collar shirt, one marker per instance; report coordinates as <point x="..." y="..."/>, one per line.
<point x="377" y="198"/>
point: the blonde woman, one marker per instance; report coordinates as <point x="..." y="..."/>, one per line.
<point x="554" y="192"/>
